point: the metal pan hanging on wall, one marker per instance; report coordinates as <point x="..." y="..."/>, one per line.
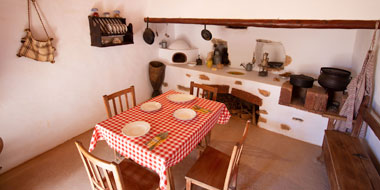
<point x="148" y="34"/>
<point x="206" y="34"/>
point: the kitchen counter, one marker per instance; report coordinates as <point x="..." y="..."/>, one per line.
<point x="249" y="75"/>
<point x="289" y="121"/>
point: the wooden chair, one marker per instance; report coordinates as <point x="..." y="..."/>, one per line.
<point x="1" y="144"/>
<point x="207" y="92"/>
<point x="106" y="175"/>
<point x="113" y="97"/>
<point x="216" y="170"/>
<point x="119" y="95"/>
<point x="248" y="97"/>
<point x="1" y="147"/>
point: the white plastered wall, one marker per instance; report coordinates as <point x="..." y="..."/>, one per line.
<point x="310" y="49"/>
<point x="269" y="9"/>
<point x="43" y="104"/>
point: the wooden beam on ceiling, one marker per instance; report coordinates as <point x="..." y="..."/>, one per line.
<point x="272" y="23"/>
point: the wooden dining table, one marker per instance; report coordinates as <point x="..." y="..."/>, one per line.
<point x="183" y="135"/>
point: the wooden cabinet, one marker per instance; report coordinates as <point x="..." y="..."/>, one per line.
<point x="107" y="31"/>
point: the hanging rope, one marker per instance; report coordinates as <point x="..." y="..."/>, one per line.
<point x="34" y="2"/>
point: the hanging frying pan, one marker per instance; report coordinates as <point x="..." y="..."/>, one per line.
<point x="206" y="34"/>
<point x="148" y="34"/>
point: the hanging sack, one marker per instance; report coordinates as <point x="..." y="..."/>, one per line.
<point x="36" y="49"/>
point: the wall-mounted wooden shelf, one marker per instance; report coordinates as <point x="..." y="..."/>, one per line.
<point x="272" y="23"/>
<point x="105" y="31"/>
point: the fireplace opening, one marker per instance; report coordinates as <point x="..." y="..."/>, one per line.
<point x="240" y="103"/>
<point x="179" y="58"/>
<point x="298" y="95"/>
<point x="335" y="100"/>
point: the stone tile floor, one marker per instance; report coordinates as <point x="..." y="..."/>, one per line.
<point x="269" y="161"/>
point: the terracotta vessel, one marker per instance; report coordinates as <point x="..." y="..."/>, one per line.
<point x="156" y="76"/>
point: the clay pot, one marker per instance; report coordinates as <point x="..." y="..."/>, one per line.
<point x="156" y="76"/>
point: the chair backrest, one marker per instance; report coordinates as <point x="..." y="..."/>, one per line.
<point x="1" y="147"/>
<point x="1" y="144"/>
<point x="119" y="94"/>
<point x="207" y="92"/>
<point x="369" y="116"/>
<point x="231" y="177"/>
<point x="103" y="175"/>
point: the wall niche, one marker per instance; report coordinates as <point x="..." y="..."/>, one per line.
<point x="278" y="59"/>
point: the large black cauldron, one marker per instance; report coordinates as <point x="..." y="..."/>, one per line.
<point x="334" y="79"/>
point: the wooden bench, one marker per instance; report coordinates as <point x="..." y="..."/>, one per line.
<point x="346" y="156"/>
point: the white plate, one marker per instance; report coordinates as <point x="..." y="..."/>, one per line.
<point x="192" y="64"/>
<point x="136" y="129"/>
<point x="184" y="114"/>
<point x="150" y="106"/>
<point x="180" y="98"/>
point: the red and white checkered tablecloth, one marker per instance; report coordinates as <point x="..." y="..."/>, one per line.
<point x="183" y="135"/>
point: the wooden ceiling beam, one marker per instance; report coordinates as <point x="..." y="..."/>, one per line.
<point x="272" y="23"/>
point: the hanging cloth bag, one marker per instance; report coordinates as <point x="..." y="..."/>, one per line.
<point x="36" y="49"/>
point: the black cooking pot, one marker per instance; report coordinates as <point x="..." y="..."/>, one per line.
<point x="334" y="79"/>
<point x="302" y="81"/>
